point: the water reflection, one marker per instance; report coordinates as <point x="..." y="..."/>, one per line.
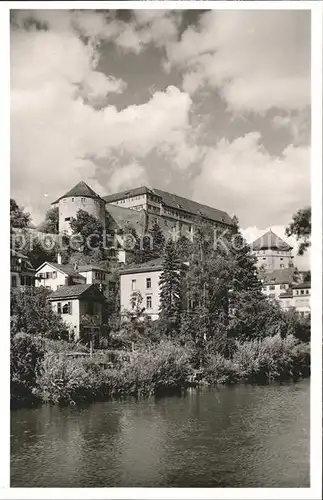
<point x="241" y="436"/>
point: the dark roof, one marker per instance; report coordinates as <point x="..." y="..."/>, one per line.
<point x="77" y="291"/>
<point x="278" y="276"/>
<point x="81" y="189"/>
<point x="174" y="201"/>
<point x="64" y="268"/>
<point x="270" y="240"/>
<point x="305" y="284"/>
<point x="152" y="265"/>
<point x="128" y="193"/>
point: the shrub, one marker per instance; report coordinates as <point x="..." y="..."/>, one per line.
<point x="26" y="356"/>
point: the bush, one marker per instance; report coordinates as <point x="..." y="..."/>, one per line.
<point x="32" y="313"/>
<point x="261" y="361"/>
<point x="26" y="356"/>
<point x="66" y="379"/>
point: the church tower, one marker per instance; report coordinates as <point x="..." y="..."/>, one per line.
<point x="80" y="197"/>
<point x="272" y="252"/>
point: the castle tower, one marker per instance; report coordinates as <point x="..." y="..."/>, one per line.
<point x="81" y="197"/>
<point x="272" y="252"/>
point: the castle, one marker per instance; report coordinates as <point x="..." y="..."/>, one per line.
<point x="141" y="207"/>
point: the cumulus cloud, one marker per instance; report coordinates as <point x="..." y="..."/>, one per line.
<point x="56" y="132"/>
<point x="258" y="60"/>
<point x="127" y="177"/>
<point x="243" y="178"/>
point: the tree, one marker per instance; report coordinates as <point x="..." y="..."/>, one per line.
<point x="51" y="222"/>
<point x="301" y="227"/>
<point x="158" y="242"/>
<point x="170" y="289"/>
<point x="184" y="247"/>
<point x="31" y="313"/>
<point x="90" y="229"/>
<point x="18" y="218"/>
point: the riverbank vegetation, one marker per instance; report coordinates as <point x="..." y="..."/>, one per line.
<point x="215" y="326"/>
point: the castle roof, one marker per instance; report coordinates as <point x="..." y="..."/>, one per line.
<point x="174" y="201"/>
<point x="81" y="189"/>
<point x="270" y="240"/>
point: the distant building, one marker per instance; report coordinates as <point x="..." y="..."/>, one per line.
<point x="297" y="298"/>
<point x="21" y="270"/>
<point x="140" y="207"/>
<point x="272" y="252"/>
<point x="77" y="302"/>
<point x="276" y="282"/>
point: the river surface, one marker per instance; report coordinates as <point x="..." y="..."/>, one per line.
<point x="240" y="436"/>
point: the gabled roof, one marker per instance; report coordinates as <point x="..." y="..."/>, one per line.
<point x="174" y="201"/>
<point x="81" y="189"/>
<point x="278" y="276"/>
<point x="77" y="291"/>
<point x="63" y="268"/>
<point x="270" y="240"/>
<point x="91" y="267"/>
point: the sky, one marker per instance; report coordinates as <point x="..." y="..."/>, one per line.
<point x="211" y="105"/>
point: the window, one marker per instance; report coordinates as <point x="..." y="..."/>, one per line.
<point x="83" y="200"/>
<point x="264" y="258"/>
<point x="148" y="282"/>
<point x="59" y="307"/>
<point x="67" y="218"/>
<point x="133" y="285"/>
<point x="13" y="281"/>
<point x="148" y="302"/>
<point x="282" y="266"/>
<point x="272" y="287"/>
<point x="72" y="199"/>
<point x="282" y="287"/>
<point x="307" y="292"/>
<point x="54" y="275"/>
<point x="302" y="292"/>
<point x="67" y="308"/>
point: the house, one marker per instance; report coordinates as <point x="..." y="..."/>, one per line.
<point x="21" y="270"/>
<point x="76" y="304"/>
<point x="54" y="275"/>
<point x="302" y="298"/>
<point x="142" y="278"/>
<point x="276" y="282"/>
<point x="97" y="274"/>
<point x="272" y="252"/>
<point x="140" y="207"/>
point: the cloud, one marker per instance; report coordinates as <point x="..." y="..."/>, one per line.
<point x="243" y="178"/>
<point x="258" y="60"/>
<point x="297" y="125"/>
<point x="58" y="131"/>
<point x="127" y="177"/>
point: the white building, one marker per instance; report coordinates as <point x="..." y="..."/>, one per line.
<point x="77" y="302"/>
<point x="272" y="252"/>
<point x="53" y="275"/>
<point x="142" y="278"/>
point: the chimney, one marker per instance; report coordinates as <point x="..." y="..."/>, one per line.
<point x="75" y="267"/>
<point x="59" y="258"/>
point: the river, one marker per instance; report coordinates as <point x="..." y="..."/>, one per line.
<point x="239" y="436"/>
